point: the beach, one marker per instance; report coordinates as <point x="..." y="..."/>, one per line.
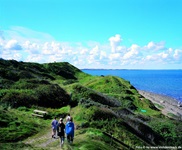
<point x="167" y="105"/>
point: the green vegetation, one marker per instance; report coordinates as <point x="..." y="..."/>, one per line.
<point x="171" y="130"/>
<point x="158" y="106"/>
<point x="17" y="124"/>
<point x="108" y="111"/>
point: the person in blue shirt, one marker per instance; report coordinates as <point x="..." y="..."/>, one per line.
<point x="54" y="127"/>
<point x="70" y="129"/>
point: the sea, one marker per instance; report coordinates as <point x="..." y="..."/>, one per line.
<point x="164" y="82"/>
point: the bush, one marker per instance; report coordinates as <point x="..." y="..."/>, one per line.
<point x="17" y="98"/>
<point x="52" y="96"/>
<point x="29" y="84"/>
<point x="22" y="108"/>
<point x="48" y="95"/>
<point x="59" y="113"/>
<point x="81" y="92"/>
<point x="169" y="129"/>
<point x="5" y="84"/>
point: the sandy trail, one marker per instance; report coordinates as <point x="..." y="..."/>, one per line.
<point x="169" y="104"/>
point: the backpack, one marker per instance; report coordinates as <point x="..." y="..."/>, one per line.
<point x="70" y="128"/>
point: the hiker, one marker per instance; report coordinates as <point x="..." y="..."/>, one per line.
<point x="70" y="128"/>
<point x="60" y="131"/>
<point x="54" y="126"/>
<point x="68" y="118"/>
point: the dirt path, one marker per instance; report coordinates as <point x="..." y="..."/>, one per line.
<point x="44" y="141"/>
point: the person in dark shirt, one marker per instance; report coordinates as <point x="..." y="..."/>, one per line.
<point x="60" y="131"/>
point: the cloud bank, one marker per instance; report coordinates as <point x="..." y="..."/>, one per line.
<point x="30" y="46"/>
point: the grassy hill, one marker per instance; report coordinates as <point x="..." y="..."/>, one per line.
<point x="107" y="110"/>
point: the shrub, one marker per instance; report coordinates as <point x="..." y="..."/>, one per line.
<point x="5" y="84"/>
<point x="22" y="108"/>
<point x="44" y="95"/>
<point x="169" y="129"/>
<point x="52" y="96"/>
<point x="29" y="83"/>
<point x="16" y="98"/>
<point x="86" y="93"/>
<point x="59" y="113"/>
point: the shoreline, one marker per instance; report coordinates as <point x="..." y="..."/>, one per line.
<point x="168" y="104"/>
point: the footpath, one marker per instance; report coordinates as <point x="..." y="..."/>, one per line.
<point x="44" y="141"/>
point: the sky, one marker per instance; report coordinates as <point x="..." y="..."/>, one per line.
<point x="107" y="34"/>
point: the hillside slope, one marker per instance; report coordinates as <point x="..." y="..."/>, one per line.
<point x="104" y="108"/>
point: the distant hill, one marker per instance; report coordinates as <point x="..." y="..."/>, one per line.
<point x="13" y="70"/>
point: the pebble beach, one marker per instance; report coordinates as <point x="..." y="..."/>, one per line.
<point x="168" y="105"/>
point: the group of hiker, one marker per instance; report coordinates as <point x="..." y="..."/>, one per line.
<point x="61" y="128"/>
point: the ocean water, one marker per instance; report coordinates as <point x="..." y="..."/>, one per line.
<point x="165" y="82"/>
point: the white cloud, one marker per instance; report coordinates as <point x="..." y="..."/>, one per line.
<point x="84" y="51"/>
<point x="115" y="56"/>
<point x="1" y="45"/>
<point x="94" y="51"/>
<point x="177" y="54"/>
<point x="47" y="49"/>
<point x="13" y="45"/>
<point x="121" y="49"/>
<point x="31" y="47"/>
<point x="53" y="47"/>
<point x="94" y="55"/>
<point x="149" y="57"/>
<point x="11" y="55"/>
<point x="133" y="52"/>
<point x="155" y="46"/>
<point x="164" y="55"/>
<point x="35" y="58"/>
<point x="85" y="55"/>
<point x="103" y="55"/>
<point x="115" y="42"/>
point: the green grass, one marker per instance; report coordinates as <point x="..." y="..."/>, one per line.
<point x="171" y="115"/>
<point x="17" y="146"/>
<point x="149" y="107"/>
<point x="158" y="106"/>
<point x="107" y="84"/>
<point x="18" y="125"/>
<point x="93" y="139"/>
<point x="169" y="129"/>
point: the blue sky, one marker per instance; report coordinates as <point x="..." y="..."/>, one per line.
<point x="122" y="34"/>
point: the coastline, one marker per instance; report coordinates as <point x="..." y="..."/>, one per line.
<point x="168" y="105"/>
